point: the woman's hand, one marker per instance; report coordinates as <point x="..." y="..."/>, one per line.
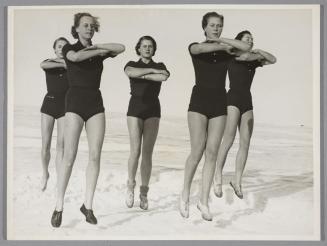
<point x="160" y="71"/>
<point x="92" y="47"/>
<point x="103" y="52"/>
<point x="226" y="47"/>
<point x="250" y="56"/>
<point x="242" y="57"/>
<point x="53" y="63"/>
<point x="255" y="51"/>
<point x="229" y="49"/>
<point x="216" y="40"/>
<point x="266" y="57"/>
<point x="60" y="60"/>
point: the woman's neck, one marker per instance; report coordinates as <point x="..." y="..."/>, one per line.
<point x="85" y="42"/>
<point x="145" y="60"/>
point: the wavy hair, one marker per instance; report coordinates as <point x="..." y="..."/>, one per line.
<point x="77" y="19"/>
<point x="138" y="45"/>
<point x="240" y="35"/>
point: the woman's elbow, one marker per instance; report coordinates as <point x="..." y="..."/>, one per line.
<point x="165" y="77"/>
<point x="128" y="73"/>
<point x="195" y="50"/>
<point x="120" y="49"/>
<point x="272" y="60"/>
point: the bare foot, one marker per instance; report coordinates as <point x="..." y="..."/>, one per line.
<point x="44" y="181"/>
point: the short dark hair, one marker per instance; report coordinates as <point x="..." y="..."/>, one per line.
<point x="240" y="35"/>
<point x="77" y="18"/>
<point x="138" y="45"/>
<point x="208" y="15"/>
<point x="58" y="39"/>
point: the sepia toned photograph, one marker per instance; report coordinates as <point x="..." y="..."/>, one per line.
<point x="163" y="122"/>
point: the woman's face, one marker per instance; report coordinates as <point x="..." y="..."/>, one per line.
<point x="58" y="48"/>
<point x="214" y="27"/>
<point x="248" y="39"/>
<point x="146" y="49"/>
<point x="86" y="28"/>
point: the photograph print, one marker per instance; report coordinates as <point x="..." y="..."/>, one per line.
<point x="163" y="122"/>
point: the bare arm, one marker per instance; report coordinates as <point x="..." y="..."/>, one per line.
<point x="53" y="63"/>
<point x="267" y="57"/>
<point x="196" y="49"/>
<point x="113" y="48"/>
<point x="236" y="43"/>
<point x="133" y="72"/>
<point x="155" y="77"/>
<point x="84" y="54"/>
<point x="248" y="56"/>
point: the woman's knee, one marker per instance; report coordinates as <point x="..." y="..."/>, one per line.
<point x="46" y="145"/>
<point x="45" y="152"/>
<point x="69" y="157"/>
<point x="135" y="153"/>
<point x="60" y="146"/>
<point x="211" y="154"/>
<point x="147" y="153"/>
<point x="94" y="157"/>
<point x="146" y="162"/>
<point x="245" y="143"/>
<point x="229" y="136"/>
<point x="196" y="155"/>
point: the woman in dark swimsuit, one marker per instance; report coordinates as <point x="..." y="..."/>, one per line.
<point x="83" y="106"/>
<point x="53" y="108"/>
<point x="143" y="114"/>
<point x="241" y="71"/>
<point x="207" y="110"/>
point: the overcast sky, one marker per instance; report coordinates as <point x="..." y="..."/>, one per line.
<point x="282" y="93"/>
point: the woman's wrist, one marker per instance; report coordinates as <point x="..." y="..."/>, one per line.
<point x="259" y="51"/>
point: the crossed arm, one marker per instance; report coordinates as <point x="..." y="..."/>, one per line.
<point x="153" y="74"/>
<point x="224" y="44"/>
<point x="53" y="63"/>
<point x="265" y="57"/>
<point x="112" y="49"/>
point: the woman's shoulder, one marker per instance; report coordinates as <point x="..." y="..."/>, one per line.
<point x="131" y="63"/>
<point x="193" y="43"/>
<point x="76" y="46"/>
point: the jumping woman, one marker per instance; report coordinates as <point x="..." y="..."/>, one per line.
<point x="207" y="109"/>
<point x="53" y="108"/>
<point x="84" y="106"/>
<point x="143" y="115"/>
<point x="241" y="70"/>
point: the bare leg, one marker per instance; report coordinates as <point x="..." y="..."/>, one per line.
<point x="150" y="132"/>
<point x="246" y="129"/>
<point x="197" y="124"/>
<point x="135" y="129"/>
<point x="216" y="128"/>
<point x="233" y="116"/>
<point x="47" y="123"/>
<point x="60" y="144"/>
<point x="95" y="130"/>
<point x="72" y="129"/>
